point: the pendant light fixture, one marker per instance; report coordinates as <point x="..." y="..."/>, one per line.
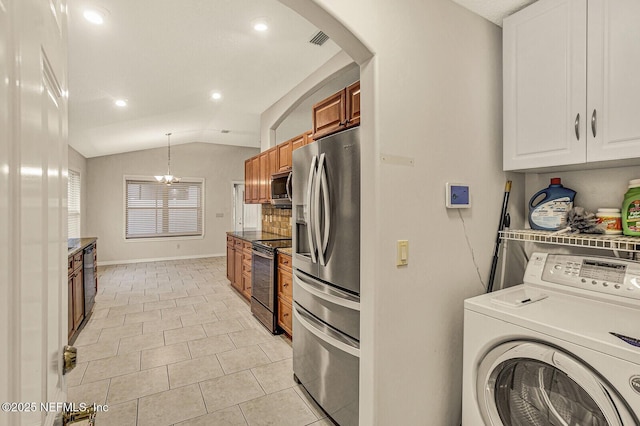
<point x="168" y="179"/>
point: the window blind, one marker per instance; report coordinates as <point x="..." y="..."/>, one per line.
<point x="73" y="205"/>
<point x="156" y="210"/>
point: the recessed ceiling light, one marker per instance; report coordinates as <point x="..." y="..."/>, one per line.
<point x="94" y="16"/>
<point x="216" y="95"/>
<point x="121" y="103"/>
<point x="260" y="26"/>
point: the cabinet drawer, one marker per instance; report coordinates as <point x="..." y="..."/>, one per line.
<point x="247" y="246"/>
<point x="230" y="240"/>
<point x="246" y="268"/>
<point x="70" y="265"/>
<point x="285" y="284"/>
<point x="238" y="243"/>
<point x="77" y="260"/>
<point x="284" y="315"/>
<point x="284" y="261"/>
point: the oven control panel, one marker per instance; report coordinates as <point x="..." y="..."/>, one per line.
<point x="601" y="274"/>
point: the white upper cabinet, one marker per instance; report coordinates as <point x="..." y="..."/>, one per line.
<point x="571" y="86"/>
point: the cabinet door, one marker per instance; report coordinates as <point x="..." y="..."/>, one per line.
<point x="70" y="324"/>
<point x="613" y="89"/>
<point x="329" y="115"/>
<point x="246" y="285"/>
<point x="353" y="105"/>
<point x="78" y="299"/>
<point x="248" y="182"/>
<point x="544" y="60"/>
<point x="255" y="179"/>
<point x="284" y="316"/>
<point x="231" y="263"/>
<point x="308" y="138"/>
<point x="264" y="178"/>
<point x="237" y="282"/>
<point x="284" y="156"/>
<point x="273" y="168"/>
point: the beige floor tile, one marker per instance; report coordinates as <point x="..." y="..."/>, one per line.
<point x="210" y="346"/>
<point x="222" y="327"/>
<point x="164" y="355"/>
<point x="198" y="318"/>
<point x="284" y="408"/>
<point x="98" y="350"/>
<point x="249" y="337"/>
<point x="306" y="398"/>
<point x="105" y="322"/>
<point x="143" y="298"/>
<point x="200" y="291"/>
<point x="74" y="377"/>
<point x="161" y="325"/>
<point x="90" y="393"/>
<point x="242" y="359"/>
<point x="323" y="422"/>
<point x="277" y="349"/>
<point x="138" y="385"/>
<point x="276" y="376"/>
<point x="193" y="371"/>
<point x="140" y="317"/>
<point x="99" y="313"/>
<point x="125" y="414"/>
<point x="173" y="295"/>
<point x="190" y="300"/>
<point x="112" y="367"/>
<point x="226" y="391"/>
<point x="88" y="336"/>
<point x="216" y="306"/>
<point x="123" y="310"/>
<point x="140" y="343"/>
<point x="177" y="312"/>
<point x="231" y="314"/>
<point x="231" y="416"/>
<point x="171" y="407"/>
<point x="161" y="304"/>
<point x="184" y="334"/>
<point x="117" y="333"/>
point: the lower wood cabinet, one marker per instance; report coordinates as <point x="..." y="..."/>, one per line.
<point x="239" y="265"/>
<point x="76" y="293"/>
<point x="285" y="293"/>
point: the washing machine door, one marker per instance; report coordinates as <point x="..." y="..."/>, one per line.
<point x="532" y="384"/>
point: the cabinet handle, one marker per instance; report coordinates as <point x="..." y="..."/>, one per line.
<point x="285" y="285"/>
<point x="286" y="314"/>
<point x="593" y="123"/>
<point x="578" y="126"/>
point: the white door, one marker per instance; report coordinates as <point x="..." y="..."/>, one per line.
<point x="33" y="196"/>
<point x="613" y="87"/>
<point x="544" y="69"/>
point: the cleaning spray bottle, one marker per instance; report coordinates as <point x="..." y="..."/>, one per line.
<point x="550" y="213"/>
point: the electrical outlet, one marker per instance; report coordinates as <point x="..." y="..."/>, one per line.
<point x="458" y="196"/>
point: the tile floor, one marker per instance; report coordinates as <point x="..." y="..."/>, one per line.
<point x="170" y="343"/>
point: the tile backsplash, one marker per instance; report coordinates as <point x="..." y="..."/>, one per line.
<point x="277" y="221"/>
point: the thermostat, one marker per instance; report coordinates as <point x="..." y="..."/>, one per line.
<point x="458" y="196"/>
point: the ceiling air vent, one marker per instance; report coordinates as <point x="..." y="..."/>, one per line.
<point x="319" y="38"/>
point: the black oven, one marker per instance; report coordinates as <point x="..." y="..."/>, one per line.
<point x="263" y="282"/>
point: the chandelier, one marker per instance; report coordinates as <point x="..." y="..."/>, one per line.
<point x="168" y="179"/>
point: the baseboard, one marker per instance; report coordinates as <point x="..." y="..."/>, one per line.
<point x="158" y="259"/>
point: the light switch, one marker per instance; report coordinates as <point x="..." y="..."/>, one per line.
<point x="403" y="253"/>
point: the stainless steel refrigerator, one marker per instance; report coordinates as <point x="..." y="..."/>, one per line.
<point x="326" y="272"/>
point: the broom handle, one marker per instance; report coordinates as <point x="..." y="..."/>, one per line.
<point x="496" y="251"/>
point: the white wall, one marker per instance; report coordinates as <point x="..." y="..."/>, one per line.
<point x="78" y="163"/>
<point x="432" y="93"/>
<point x="219" y="165"/>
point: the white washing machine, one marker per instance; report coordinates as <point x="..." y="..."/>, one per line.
<point x="561" y="349"/>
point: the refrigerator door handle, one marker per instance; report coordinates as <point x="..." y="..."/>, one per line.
<point x="329" y="294"/>
<point x="310" y="204"/>
<point x="327" y="212"/>
<point x="317" y="209"/>
<point x="326" y="334"/>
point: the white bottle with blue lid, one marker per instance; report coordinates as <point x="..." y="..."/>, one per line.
<point x="548" y="208"/>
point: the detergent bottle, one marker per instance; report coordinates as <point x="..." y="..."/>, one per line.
<point x="548" y="208"/>
<point x="631" y="209"/>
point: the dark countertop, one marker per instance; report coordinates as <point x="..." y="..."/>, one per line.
<point x="76" y="244"/>
<point x="256" y="235"/>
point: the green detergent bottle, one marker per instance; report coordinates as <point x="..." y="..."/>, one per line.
<point x="631" y="209"/>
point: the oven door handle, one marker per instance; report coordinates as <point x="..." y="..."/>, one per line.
<point x="326" y="334"/>
<point x="263" y="255"/>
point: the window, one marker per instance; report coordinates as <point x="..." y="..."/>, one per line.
<point x="156" y="210"/>
<point x="73" y="205"/>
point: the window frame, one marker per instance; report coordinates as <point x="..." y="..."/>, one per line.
<point x="165" y="238"/>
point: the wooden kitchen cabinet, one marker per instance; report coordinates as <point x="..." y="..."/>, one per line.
<point x="284" y="156"/>
<point x="246" y="269"/>
<point x="337" y="112"/>
<point x="285" y="293"/>
<point x="255" y="179"/>
<point x="76" y="293"/>
<point x="231" y="258"/>
<point x="239" y="265"/>
<point x="248" y="181"/>
<point x="569" y="96"/>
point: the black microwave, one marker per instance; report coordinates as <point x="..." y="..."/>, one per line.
<point x="281" y="189"/>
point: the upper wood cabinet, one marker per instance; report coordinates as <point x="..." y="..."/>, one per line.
<point x="570" y="95"/>
<point x="248" y="188"/>
<point x="264" y="178"/>
<point x="337" y="112"/>
<point x="284" y="155"/>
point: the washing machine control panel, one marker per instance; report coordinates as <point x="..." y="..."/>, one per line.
<point x="601" y="274"/>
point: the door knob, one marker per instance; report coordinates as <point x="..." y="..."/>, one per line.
<point x="69" y="359"/>
<point x="67" y="416"/>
